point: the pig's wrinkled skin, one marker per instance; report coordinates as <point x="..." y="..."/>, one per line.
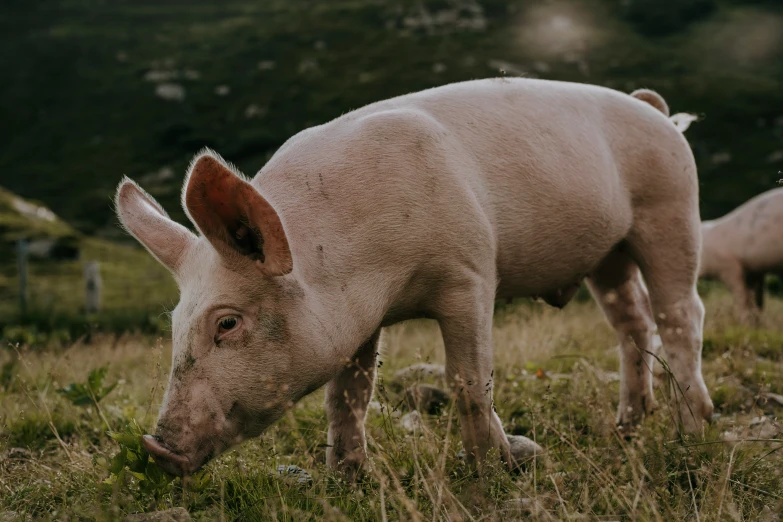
<point x="743" y="246"/>
<point x="430" y="205"/>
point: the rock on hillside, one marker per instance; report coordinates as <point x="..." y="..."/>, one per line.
<point x="48" y="236"/>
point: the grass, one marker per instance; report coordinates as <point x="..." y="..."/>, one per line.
<point x="589" y="472"/>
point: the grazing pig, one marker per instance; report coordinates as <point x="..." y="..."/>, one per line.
<point x="433" y="204"/>
<point x="743" y="246"/>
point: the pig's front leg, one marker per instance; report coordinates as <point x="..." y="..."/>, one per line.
<point x="347" y="396"/>
<point x="466" y="325"/>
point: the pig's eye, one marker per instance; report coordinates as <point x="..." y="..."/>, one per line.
<point x="228" y="324"/>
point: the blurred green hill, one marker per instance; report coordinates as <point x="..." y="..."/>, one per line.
<point x="94" y="89"/>
<point x="136" y="289"/>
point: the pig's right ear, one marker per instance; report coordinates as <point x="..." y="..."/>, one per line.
<point x="234" y="217"/>
<point x="146" y="220"/>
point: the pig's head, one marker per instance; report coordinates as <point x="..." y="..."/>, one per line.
<point x="241" y="351"/>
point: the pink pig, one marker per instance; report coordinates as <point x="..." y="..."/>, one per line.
<point x="743" y="246"/>
<point x="433" y="204"/>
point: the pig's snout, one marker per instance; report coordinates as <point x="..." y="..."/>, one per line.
<point x="170" y="462"/>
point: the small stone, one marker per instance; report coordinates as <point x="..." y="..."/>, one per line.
<point x="411" y="422"/>
<point x="773" y="397"/>
<point x="158" y="75"/>
<point x="417" y="371"/>
<point x="775" y="156"/>
<point x="719" y="158"/>
<point x="426" y="398"/>
<point x="522" y="448"/>
<point x="18" y="453"/>
<point x="222" y="90"/>
<point x="295" y="474"/>
<point x="307" y="65"/>
<point x="767" y="515"/>
<point x="177" y="514"/>
<point x="170" y="91"/>
<point x="254" y="111"/>
<point x="757" y="428"/>
<point x="538" y="506"/>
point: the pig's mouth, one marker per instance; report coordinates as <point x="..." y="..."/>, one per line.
<point x="168" y="459"/>
<point x="175" y="462"/>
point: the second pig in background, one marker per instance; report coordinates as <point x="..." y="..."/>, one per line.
<point x="743" y="246"/>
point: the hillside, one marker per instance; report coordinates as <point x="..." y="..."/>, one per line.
<point x="100" y="88"/>
<point x="135" y="288"/>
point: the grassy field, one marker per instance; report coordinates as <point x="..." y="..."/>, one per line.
<point x="52" y="452"/>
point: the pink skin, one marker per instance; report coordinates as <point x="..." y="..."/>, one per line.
<point x="433" y="204"/>
<point x="171" y="462"/>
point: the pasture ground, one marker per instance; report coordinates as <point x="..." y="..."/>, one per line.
<point x="555" y="382"/>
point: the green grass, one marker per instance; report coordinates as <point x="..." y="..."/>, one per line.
<point x="589" y="472"/>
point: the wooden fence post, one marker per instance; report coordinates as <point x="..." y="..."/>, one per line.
<point x="92" y="287"/>
<point x="21" y="260"/>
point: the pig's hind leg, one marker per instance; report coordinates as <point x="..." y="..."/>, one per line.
<point x="347" y="397"/>
<point x="616" y="284"/>
<point x="665" y="242"/>
<point x="744" y="288"/>
<point x="756" y="282"/>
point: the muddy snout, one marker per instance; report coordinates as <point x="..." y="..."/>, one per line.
<point x="170" y="461"/>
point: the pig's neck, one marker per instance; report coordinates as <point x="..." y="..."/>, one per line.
<point x="338" y="322"/>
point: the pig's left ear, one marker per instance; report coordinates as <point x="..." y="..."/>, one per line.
<point x="233" y="216"/>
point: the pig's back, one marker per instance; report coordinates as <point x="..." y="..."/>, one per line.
<point x="541" y="170"/>
<point x="755" y="231"/>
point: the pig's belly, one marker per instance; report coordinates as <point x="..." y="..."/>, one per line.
<point x="554" y="253"/>
<point x="763" y="256"/>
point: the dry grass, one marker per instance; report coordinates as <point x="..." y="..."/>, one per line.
<point x="588" y="473"/>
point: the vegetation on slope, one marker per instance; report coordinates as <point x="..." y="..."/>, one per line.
<point x="136" y="289"/>
<point x="101" y="88"/>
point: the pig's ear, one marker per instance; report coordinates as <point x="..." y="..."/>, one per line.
<point x="144" y="218"/>
<point x="233" y="216"/>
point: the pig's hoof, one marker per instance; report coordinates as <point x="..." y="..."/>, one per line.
<point x="630" y="417"/>
<point x="351" y="470"/>
<point x="522" y="450"/>
<point x="694" y="413"/>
